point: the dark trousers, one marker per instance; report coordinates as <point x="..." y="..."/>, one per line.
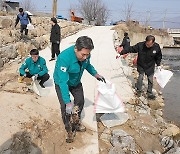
<point x="78" y="95"/>
<point x="42" y="79"/>
<point x="24" y="28"/>
<point x="54" y="50"/>
<point x="140" y="82"/>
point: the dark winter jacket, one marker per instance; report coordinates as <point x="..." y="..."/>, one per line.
<point x="147" y="57"/>
<point x="55" y="34"/>
<point x="125" y="43"/>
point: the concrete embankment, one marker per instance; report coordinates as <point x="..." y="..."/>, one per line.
<point x="138" y="34"/>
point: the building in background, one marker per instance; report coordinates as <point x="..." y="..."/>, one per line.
<point x="8" y="6"/>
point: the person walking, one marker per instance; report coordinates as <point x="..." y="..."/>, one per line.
<point x="55" y="38"/>
<point x="149" y="54"/>
<point x="126" y="41"/>
<point x="24" y="19"/>
<point x="69" y="69"/>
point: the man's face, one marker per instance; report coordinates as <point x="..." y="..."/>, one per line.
<point x="35" y="57"/>
<point x="83" y="54"/>
<point x="149" y="44"/>
<point x="52" y="23"/>
<point x="21" y="12"/>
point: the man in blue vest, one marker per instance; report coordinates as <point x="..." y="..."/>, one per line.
<point x="24" y="19"/>
<point x="69" y="69"/>
<point x="35" y="66"/>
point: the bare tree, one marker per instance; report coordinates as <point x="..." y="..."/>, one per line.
<point x="28" y="5"/>
<point x="128" y="11"/>
<point x="93" y="11"/>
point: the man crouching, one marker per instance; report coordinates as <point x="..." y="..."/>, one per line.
<point x="35" y="66"/>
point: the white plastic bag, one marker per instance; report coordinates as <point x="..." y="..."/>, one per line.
<point x="107" y="100"/>
<point x="162" y="77"/>
<point x="30" y="26"/>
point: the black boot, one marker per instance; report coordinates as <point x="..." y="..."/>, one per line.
<point x="41" y="84"/>
<point x="151" y="96"/>
<point x="52" y="59"/>
<point x="70" y="137"/>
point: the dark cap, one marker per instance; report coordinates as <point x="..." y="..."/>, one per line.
<point x="54" y="20"/>
<point x="20" y="9"/>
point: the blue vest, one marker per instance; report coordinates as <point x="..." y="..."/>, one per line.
<point x="23" y="19"/>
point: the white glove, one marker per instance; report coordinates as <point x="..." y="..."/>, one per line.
<point x="34" y="77"/>
<point x="159" y="68"/>
<point x="69" y="108"/>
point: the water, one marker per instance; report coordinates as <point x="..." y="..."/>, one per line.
<point x="171" y="92"/>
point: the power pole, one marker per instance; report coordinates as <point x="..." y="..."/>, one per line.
<point x="148" y="18"/>
<point x="54" y="8"/>
<point x="164" y="19"/>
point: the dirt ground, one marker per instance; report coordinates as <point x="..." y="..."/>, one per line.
<point x="29" y="123"/>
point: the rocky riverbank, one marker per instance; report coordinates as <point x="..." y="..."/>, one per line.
<point x="142" y="129"/>
<point x="13" y="46"/>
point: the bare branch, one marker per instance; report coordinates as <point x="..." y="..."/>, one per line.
<point x="128" y="11"/>
<point x="28" y="5"/>
<point x="93" y="10"/>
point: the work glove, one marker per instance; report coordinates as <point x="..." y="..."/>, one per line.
<point x="159" y="68"/>
<point x="117" y="56"/>
<point x="57" y="42"/>
<point x="35" y="77"/>
<point x="69" y="108"/>
<point x="100" y="78"/>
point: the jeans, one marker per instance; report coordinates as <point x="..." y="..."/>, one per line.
<point x="24" y="28"/>
<point x="140" y="82"/>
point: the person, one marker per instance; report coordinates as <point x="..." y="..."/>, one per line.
<point x="55" y="38"/>
<point x="126" y="41"/>
<point x="24" y="19"/>
<point x="36" y="67"/>
<point x="69" y="69"/>
<point x="149" y="54"/>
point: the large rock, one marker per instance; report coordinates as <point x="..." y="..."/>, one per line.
<point x="114" y="119"/>
<point x="172" y="130"/>
<point x="7" y="39"/>
<point x="116" y="150"/>
<point x="6" y="23"/>
<point x="122" y="139"/>
<point x="106" y="135"/>
<point x="156" y="104"/>
<point x="8" y="52"/>
<point x="145" y="123"/>
<point x="174" y="151"/>
<point x="21" y="49"/>
<point x="40" y="42"/>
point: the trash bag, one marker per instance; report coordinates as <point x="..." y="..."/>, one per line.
<point x="162" y="77"/>
<point x="107" y="101"/>
<point x="30" y="26"/>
